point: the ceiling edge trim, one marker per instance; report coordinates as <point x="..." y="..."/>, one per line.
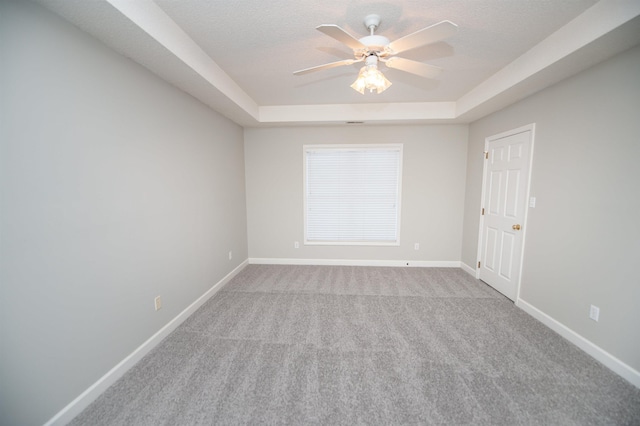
<point x="149" y="17"/>
<point x="595" y="22"/>
<point x="409" y="111"/>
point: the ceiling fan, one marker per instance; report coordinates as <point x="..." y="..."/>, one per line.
<point x="373" y="49"/>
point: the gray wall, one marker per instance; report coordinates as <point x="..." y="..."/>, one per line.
<point x="583" y="237"/>
<point x="116" y="187"/>
<point x="432" y="192"/>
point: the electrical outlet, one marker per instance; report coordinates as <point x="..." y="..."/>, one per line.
<point x="416" y="246"/>
<point x="594" y="313"/>
<point x="296" y="244"/>
<point x="158" y="302"/>
<point x="230" y="255"/>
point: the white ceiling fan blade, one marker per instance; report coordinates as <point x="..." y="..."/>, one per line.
<point x="413" y="67"/>
<point x="327" y="66"/>
<point x="341" y="35"/>
<point x="428" y="35"/>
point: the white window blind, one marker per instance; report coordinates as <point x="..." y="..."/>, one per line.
<point x="352" y="194"/>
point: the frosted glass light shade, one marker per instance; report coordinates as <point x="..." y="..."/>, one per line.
<point x="372" y="79"/>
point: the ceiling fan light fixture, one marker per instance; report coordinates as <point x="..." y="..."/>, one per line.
<point x="371" y="78"/>
<point x="374" y="48"/>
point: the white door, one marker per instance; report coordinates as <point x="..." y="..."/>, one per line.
<point x="505" y="192"/>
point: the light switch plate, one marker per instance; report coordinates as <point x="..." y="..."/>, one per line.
<point x="594" y="313"/>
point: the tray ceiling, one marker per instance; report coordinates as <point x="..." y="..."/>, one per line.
<point x="239" y="57"/>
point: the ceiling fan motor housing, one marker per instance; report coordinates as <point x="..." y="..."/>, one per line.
<point x="375" y="43"/>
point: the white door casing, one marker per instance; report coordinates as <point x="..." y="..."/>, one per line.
<point x="505" y="191"/>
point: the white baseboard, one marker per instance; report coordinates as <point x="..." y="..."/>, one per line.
<point x="356" y="262"/>
<point x="614" y="364"/>
<point x="468" y="269"/>
<point x="76" y="406"/>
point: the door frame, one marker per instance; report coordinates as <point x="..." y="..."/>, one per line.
<point x="529" y="127"/>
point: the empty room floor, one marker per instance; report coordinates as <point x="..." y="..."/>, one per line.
<point x="363" y="345"/>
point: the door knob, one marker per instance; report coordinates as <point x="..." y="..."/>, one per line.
<point x="516" y="227"/>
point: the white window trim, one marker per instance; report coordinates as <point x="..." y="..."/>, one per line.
<point x="347" y="147"/>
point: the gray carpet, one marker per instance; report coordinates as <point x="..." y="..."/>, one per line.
<point x="364" y="345"/>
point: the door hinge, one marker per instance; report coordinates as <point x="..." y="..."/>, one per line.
<point x="478" y="264"/>
<point x="486" y="155"/>
<point x="483" y="211"/>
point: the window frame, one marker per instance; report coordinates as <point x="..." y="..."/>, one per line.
<point x="350" y="147"/>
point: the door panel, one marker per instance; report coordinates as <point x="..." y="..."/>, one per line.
<point x="512" y="197"/>
<point x="506" y="257"/>
<point x="490" y="249"/>
<point x="495" y="184"/>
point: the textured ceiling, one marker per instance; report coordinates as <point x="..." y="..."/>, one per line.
<point x="257" y="45"/>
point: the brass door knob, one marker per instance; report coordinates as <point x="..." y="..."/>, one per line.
<point x="516" y="227"/>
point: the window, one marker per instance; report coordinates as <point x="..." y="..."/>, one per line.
<point x="352" y="194"/>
